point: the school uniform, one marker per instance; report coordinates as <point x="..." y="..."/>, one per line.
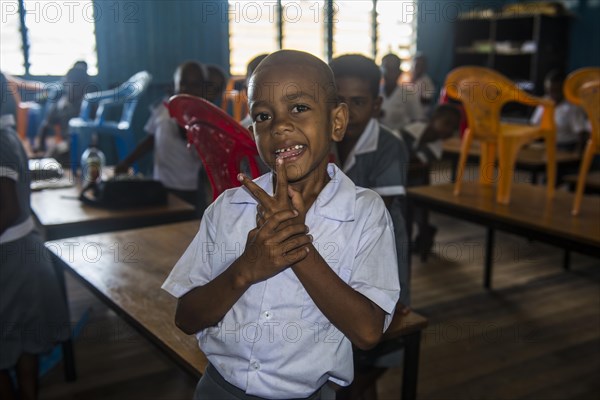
<point x="274" y="342"/>
<point x="33" y="311"/>
<point x="401" y="107"/>
<point x="379" y="161"/>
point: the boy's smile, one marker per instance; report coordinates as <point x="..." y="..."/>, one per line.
<point x="294" y="118"/>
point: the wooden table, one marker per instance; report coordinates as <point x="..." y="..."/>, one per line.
<point x="530" y="214"/>
<point x="530" y="159"/>
<point x="60" y="214"/>
<point x="125" y="270"/>
<point x="592" y="182"/>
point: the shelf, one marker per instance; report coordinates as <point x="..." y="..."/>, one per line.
<point x="523" y="47"/>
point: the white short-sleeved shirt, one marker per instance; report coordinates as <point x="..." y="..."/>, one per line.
<point x="275" y="342"/>
<point x="401" y="107"/>
<point x="175" y="164"/>
<point x="570" y="121"/>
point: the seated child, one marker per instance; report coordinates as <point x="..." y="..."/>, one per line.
<point x="75" y="85"/>
<point x="33" y="311"/>
<point x="215" y="84"/>
<point x="401" y="103"/>
<point x="373" y="157"/>
<point x="175" y="165"/>
<point x="424" y="141"/>
<point x="572" y="129"/>
<point x="289" y="271"/>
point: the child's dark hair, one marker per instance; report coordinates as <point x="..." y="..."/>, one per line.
<point x="215" y="71"/>
<point x="555" y="76"/>
<point x="392" y="59"/>
<point x="357" y="66"/>
<point x="444" y="110"/>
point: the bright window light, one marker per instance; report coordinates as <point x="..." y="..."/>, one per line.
<point x="303" y="26"/>
<point x="353" y="27"/>
<point x="252" y="31"/>
<point x="396" y="30"/>
<point x="60" y="33"/>
<point x="11" y="45"/>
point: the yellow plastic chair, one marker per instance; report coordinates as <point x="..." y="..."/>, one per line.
<point x="582" y="87"/>
<point x="483" y="92"/>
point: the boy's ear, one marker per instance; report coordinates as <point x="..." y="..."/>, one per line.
<point x="339" y="121"/>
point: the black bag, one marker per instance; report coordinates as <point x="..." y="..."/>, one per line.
<point x="125" y="193"/>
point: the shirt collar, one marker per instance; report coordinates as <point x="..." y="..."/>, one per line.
<point x="336" y="201"/>
<point x="367" y="143"/>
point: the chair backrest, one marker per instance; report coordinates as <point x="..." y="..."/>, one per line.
<point x="225" y="147"/>
<point x="483" y="92"/>
<point x="578" y="78"/>
<point x="582" y="88"/>
<point x="127" y="94"/>
<point x="234" y="100"/>
<point x="589" y="95"/>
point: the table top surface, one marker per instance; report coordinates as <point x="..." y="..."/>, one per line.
<point x="529" y="208"/>
<point x="126" y="269"/>
<point x="529" y="156"/>
<point x="62" y="206"/>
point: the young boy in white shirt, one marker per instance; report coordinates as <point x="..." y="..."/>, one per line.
<point x="291" y="270"/>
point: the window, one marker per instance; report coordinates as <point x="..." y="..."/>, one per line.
<point x="352" y="27"/>
<point x="396" y="30"/>
<point x="303" y="27"/>
<point x="252" y="31"/>
<point x="57" y="33"/>
<point x="370" y="27"/>
<point x="11" y="48"/>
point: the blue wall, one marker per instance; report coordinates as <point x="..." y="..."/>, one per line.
<point x="157" y="36"/>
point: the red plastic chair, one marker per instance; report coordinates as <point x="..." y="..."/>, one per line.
<point x="225" y="147"/>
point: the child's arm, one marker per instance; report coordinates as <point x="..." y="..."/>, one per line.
<point x="268" y="251"/>
<point x="141" y="149"/>
<point x="353" y="314"/>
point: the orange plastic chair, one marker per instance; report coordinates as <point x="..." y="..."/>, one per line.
<point x="234" y="101"/>
<point x="582" y="87"/>
<point x="225" y="147"/>
<point x="483" y="92"/>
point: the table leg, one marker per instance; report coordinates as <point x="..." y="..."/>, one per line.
<point x="410" y="373"/>
<point x="567" y="260"/>
<point x="489" y="258"/>
<point x="534" y="177"/>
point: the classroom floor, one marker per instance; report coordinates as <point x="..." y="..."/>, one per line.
<point x="536" y="335"/>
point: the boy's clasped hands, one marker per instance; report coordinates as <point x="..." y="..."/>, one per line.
<point x="281" y="238"/>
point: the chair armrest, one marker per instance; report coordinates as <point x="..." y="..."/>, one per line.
<point x="95" y="97"/>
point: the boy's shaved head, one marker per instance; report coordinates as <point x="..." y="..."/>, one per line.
<point x="301" y="59"/>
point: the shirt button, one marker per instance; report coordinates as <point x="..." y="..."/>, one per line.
<point x="255" y="365"/>
<point x="268" y="314"/>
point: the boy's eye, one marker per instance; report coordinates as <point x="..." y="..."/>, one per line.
<point x="299" y="108"/>
<point x="260" y="117"/>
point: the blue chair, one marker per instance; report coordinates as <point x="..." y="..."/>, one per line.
<point x="82" y="128"/>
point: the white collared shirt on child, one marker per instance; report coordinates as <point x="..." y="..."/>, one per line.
<point x="275" y="342"/>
